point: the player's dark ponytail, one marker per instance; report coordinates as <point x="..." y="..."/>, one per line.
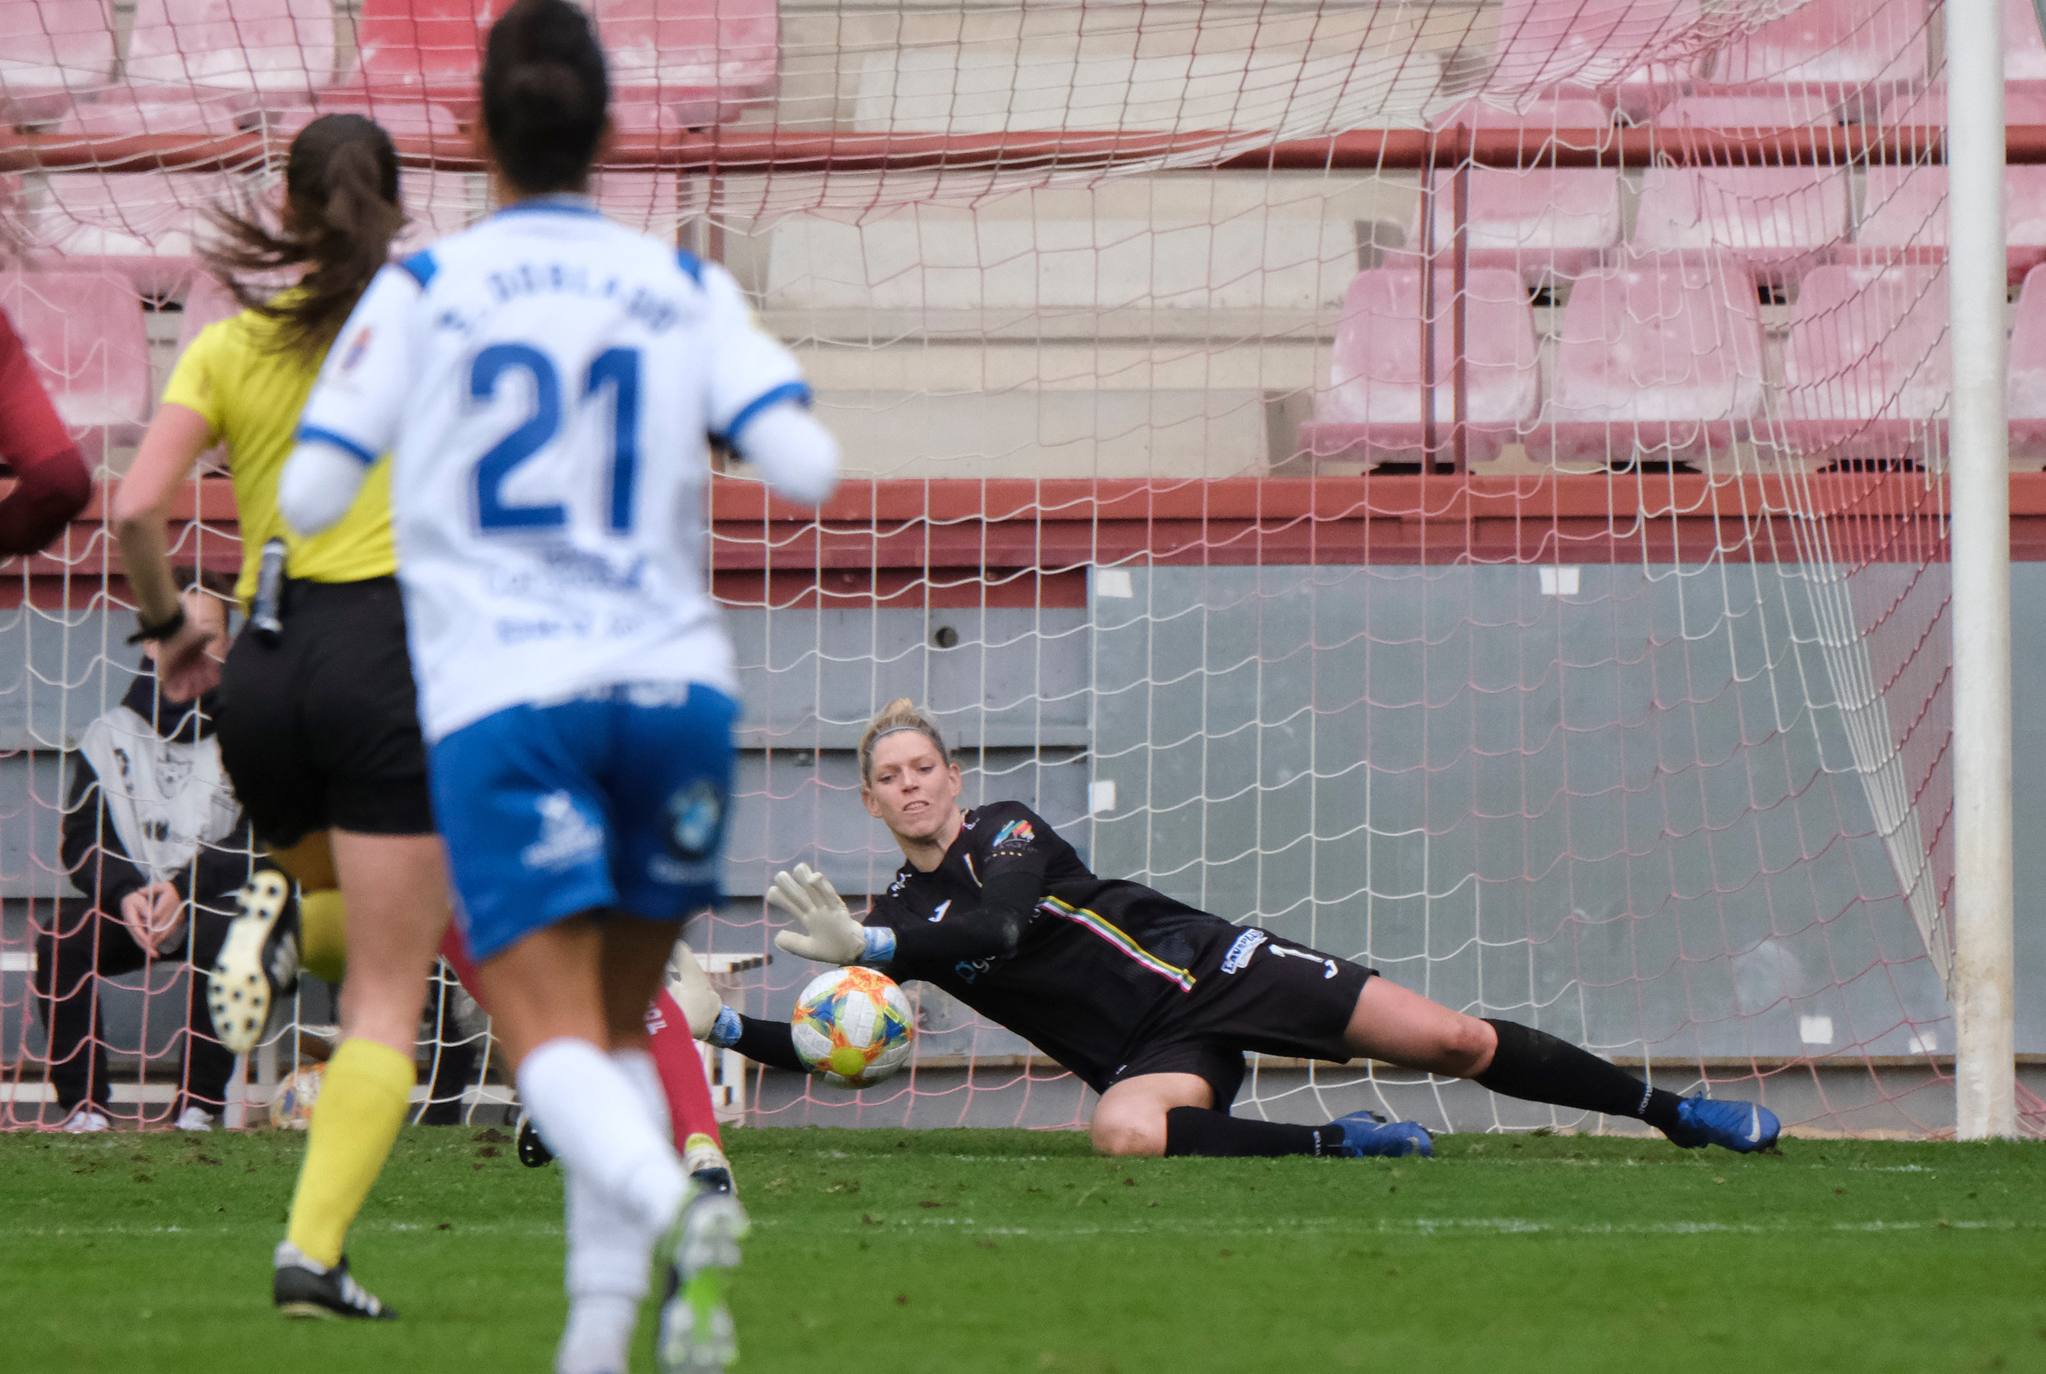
<point x="341" y="213"/>
<point x="545" y="93"/>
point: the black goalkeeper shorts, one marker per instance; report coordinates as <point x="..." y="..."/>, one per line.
<point x="1257" y="993"/>
<point x="320" y="730"/>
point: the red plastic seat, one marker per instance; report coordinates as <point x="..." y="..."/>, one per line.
<point x="400" y="117"/>
<point x="124" y="113"/>
<point x="1841" y="48"/>
<point x="701" y="60"/>
<point x="1752" y="112"/>
<point x="2027" y="360"/>
<point x="256" y="49"/>
<point x="1904" y="216"/>
<point x="647" y="201"/>
<point x="1613" y="50"/>
<point x="51" y="52"/>
<point x="1865" y="370"/>
<point x="144" y="225"/>
<point x="1375" y="404"/>
<point x="1778" y="222"/>
<point x="85" y="333"/>
<point x="1538" y="222"/>
<point x="1658" y="359"/>
<point x="2024" y="51"/>
<point x="207" y="302"/>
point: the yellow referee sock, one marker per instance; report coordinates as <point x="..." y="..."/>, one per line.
<point x="363" y="1098"/>
<point x="322" y="934"/>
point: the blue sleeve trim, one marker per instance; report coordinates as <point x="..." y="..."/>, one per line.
<point x="313" y="434"/>
<point x="798" y="392"/>
<point x="420" y="267"/>
<point x="691" y="265"/>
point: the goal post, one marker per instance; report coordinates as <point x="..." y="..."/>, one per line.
<point x="1982" y="980"/>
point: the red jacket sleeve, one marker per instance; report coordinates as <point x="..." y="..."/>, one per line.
<point x="51" y="483"/>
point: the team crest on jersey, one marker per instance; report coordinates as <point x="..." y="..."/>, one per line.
<point x="567" y="837"/>
<point x="695" y="816"/>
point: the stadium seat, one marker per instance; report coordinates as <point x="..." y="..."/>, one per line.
<point x="1539" y="222"/>
<point x="1375" y="402"/>
<point x="1834" y="49"/>
<point x="123" y="113"/>
<point x="2027" y="362"/>
<point x="1660" y="360"/>
<point x="1766" y="112"/>
<point x="259" y="50"/>
<point x="208" y="301"/>
<point x="140" y="224"/>
<point x="400" y="117"/>
<point x="699" y="61"/>
<point x="439" y="203"/>
<point x="52" y="52"/>
<point x="647" y="201"/>
<point x="1535" y="118"/>
<point x="85" y="332"/>
<point x="1904" y="216"/>
<point x="1865" y="369"/>
<point x="1605" y="50"/>
<point x="1777" y="221"/>
<point x="2024" y="51"/>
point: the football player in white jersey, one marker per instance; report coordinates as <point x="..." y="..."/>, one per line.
<point x="546" y="382"/>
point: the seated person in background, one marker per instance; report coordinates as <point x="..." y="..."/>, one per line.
<point x="157" y="844"/>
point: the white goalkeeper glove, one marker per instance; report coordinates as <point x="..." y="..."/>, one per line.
<point x="699" y="1001"/>
<point x="828" y="932"/>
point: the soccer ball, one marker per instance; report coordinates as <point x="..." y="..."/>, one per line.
<point x="292" y="1107"/>
<point x="854" y="1026"/>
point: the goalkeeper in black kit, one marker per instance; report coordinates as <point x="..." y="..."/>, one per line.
<point x="1151" y="1002"/>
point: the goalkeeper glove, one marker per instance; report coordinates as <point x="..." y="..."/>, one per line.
<point x="829" y="934"/>
<point x="699" y="1001"/>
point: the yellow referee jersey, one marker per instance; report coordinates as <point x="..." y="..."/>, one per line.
<point x="250" y="395"/>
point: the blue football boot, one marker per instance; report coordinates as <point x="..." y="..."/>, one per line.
<point x="1741" y="1126"/>
<point x="1367" y="1134"/>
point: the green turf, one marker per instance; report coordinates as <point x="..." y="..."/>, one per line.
<point x="968" y="1251"/>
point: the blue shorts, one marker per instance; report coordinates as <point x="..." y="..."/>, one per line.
<point x="615" y="801"/>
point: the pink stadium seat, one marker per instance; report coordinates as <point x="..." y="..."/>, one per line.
<point x="1865" y="370"/>
<point x="1904" y="215"/>
<point x="2027" y="393"/>
<point x="258" y="50"/>
<point x="1845" y="48"/>
<point x="207" y="302"/>
<point x="84" y="331"/>
<point x="1538" y="222"/>
<point x="440" y="203"/>
<point x="1660" y="359"/>
<point x="144" y="225"/>
<point x="700" y="59"/>
<point x="50" y="52"/>
<point x="400" y="117"/>
<point x="123" y="113"/>
<point x="643" y="200"/>
<point x="2024" y="51"/>
<point x="1762" y="112"/>
<point x="1374" y="406"/>
<point x="2023" y="103"/>
<point x="1607" y="48"/>
<point x="1777" y="221"/>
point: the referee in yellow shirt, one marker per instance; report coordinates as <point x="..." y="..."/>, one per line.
<point x="318" y="719"/>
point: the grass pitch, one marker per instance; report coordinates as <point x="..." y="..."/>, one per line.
<point x="969" y="1251"/>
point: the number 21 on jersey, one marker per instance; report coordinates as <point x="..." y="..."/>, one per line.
<point x="614" y="371"/>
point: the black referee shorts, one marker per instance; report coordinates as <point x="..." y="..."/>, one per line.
<point x="321" y="729"/>
<point x="1256" y="993"/>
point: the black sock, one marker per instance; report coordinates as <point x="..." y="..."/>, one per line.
<point x="1538" y="1067"/>
<point x="1198" y="1131"/>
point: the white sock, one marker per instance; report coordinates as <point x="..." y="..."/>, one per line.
<point x="638" y="1068"/>
<point x="609" y="1253"/>
<point x="593" y="1118"/>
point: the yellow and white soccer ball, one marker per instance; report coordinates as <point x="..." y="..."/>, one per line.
<point x="292" y="1106"/>
<point x="854" y="1026"/>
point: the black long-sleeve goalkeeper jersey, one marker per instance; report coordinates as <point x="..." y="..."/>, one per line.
<point x="1015" y="926"/>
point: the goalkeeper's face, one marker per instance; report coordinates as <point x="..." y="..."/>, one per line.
<point x="912" y="790"/>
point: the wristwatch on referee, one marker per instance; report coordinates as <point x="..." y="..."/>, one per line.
<point x="161" y="630"/>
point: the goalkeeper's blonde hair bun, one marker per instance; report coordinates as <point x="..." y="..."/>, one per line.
<point x="899" y="714"/>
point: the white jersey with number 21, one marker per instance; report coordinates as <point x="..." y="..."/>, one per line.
<point x="546" y="383"/>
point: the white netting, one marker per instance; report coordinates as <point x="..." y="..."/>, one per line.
<point x="1611" y="699"/>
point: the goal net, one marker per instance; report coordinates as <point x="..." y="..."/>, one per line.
<point x="1457" y="484"/>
